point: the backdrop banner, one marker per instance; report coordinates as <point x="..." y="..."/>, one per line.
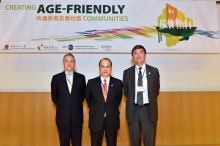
<point x="109" y="26"/>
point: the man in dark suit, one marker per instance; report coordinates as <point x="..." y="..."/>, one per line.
<point x="103" y="96"/>
<point x="141" y="84"/>
<point x="68" y="93"/>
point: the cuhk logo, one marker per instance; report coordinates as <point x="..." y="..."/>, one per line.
<point x="6" y="47"/>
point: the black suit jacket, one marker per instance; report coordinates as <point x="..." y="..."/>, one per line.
<point x="69" y="106"/>
<point x="98" y="106"/>
<point x="153" y="83"/>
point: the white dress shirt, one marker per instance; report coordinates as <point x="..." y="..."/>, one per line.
<point x="107" y="82"/>
<point x="71" y="77"/>
<point x="144" y="80"/>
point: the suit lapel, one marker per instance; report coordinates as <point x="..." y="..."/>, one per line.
<point x="99" y="88"/>
<point x="64" y="82"/>
<point x="110" y="88"/>
<point x="149" y="76"/>
<point x="74" y="81"/>
<point x="133" y="80"/>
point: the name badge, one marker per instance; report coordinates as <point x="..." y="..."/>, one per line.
<point x="140" y="89"/>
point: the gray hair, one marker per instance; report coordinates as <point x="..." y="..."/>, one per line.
<point x="68" y="54"/>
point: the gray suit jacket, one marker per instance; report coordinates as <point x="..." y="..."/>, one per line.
<point x="153" y="83"/>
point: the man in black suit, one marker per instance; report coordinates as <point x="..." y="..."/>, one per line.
<point x="68" y="93"/>
<point x="141" y="84"/>
<point x="103" y="96"/>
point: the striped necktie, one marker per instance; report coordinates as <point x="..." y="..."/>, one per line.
<point x="104" y="90"/>
<point x="69" y="83"/>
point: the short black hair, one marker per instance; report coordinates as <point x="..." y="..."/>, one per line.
<point x="105" y="59"/>
<point x="138" y="47"/>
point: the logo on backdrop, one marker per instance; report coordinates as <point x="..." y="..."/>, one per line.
<point x="40" y="47"/>
<point x="70" y="47"/>
<point x="106" y="47"/>
<point x="6" y="46"/>
<point x="17" y="47"/>
<point x="174" y="25"/>
<point x="47" y="47"/>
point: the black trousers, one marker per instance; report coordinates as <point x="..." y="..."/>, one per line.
<point x="142" y="127"/>
<point x="70" y="132"/>
<point x="96" y="137"/>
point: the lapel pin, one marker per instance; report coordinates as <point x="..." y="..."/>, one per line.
<point x="149" y="73"/>
<point x="112" y="85"/>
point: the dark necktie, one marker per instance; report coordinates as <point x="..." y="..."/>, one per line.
<point x="140" y="84"/>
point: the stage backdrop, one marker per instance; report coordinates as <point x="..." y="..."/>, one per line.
<point x="109" y="26"/>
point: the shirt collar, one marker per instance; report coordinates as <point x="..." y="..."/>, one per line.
<point x="71" y="73"/>
<point x="143" y="67"/>
<point x="107" y="79"/>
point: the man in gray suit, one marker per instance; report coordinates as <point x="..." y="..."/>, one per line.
<point x="141" y="84"/>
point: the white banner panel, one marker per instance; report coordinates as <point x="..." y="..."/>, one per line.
<point x="109" y="26"/>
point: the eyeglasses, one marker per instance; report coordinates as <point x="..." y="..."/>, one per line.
<point x="67" y="61"/>
<point x="103" y="67"/>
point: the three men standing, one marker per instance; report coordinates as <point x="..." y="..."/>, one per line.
<point x="103" y="96"/>
<point x="141" y="84"/>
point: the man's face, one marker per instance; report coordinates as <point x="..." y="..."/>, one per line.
<point x="139" y="56"/>
<point x="69" y="63"/>
<point x="105" y="68"/>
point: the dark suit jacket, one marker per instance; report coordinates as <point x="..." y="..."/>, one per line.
<point x="98" y="106"/>
<point x="153" y="83"/>
<point x="69" y="106"/>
